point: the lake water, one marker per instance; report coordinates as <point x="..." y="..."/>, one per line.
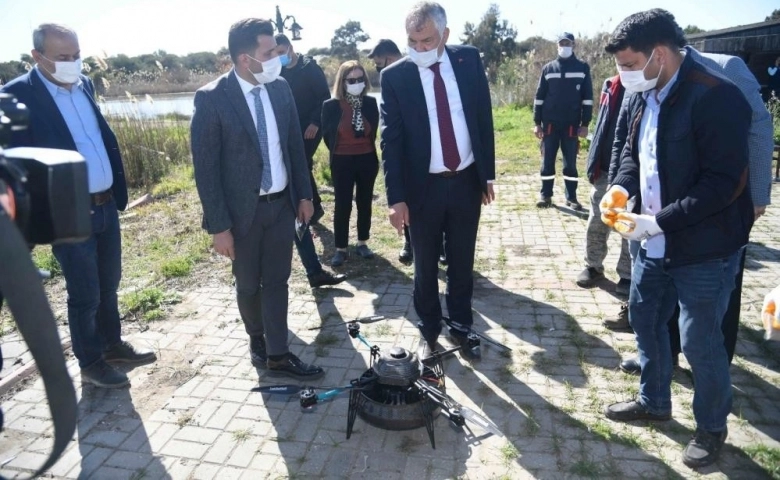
<point x="150" y="106"/>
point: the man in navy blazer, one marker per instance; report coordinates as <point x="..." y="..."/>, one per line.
<point x="63" y="114"/>
<point x="438" y="151"/>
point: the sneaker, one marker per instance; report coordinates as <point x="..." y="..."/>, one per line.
<point x="574" y="205"/>
<point x="364" y="251"/>
<point x="125" y="353"/>
<point x="589" y="277"/>
<point x="257" y="352"/>
<point x="544" y="202"/>
<point x="103" y="375"/>
<point x="292" y="366"/>
<point x="623" y="287"/>
<point x="633" y="410"/>
<point x="621" y="322"/>
<point x="339" y="258"/>
<point x="704" y="447"/>
<point x="406" y="255"/>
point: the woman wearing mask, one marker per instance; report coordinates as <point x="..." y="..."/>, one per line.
<point x="349" y="126"/>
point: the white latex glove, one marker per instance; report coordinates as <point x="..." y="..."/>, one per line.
<point x="770" y="314"/>
<point x="612" y="203"/>
<point x="636" y="227"/>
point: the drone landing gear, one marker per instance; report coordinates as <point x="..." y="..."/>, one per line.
<point x="356" y="400"/>
<point x="428" y="409"/>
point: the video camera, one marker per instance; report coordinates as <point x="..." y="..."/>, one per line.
<point x="48" y="192"/>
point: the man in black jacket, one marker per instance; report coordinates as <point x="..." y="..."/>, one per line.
<point x="562" y="111"/>
<point x="686" y="161"/>
<point x="599" y="157"/>
<point x="310" y="88"/>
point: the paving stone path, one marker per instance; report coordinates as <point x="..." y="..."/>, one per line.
<point x="191" y="415"/>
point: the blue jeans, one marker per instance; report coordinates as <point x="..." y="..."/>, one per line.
<point x="702" y="291"/>
<point x="92" y="271"/>
<point x="309" y="258"/>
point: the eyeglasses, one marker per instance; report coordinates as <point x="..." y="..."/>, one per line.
<point x="353" y="81"/>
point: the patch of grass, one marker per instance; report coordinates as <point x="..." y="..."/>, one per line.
<point x="176" y="267"/>
<point x="178" y="181"/>
<point x="767" y="457"/>
<point x="326" y="339"/>
<point x="509" y="453"/>
<point x="184" y="419"/>
<point x="408" y="445"/>
<point x="241" y="435"/>
<point x="586" y="468"/>
<point x="43" y="258"/>
<point x="145" y="304"/>
<point x="383" y="330"/>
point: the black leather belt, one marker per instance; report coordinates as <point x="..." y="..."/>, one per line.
<point x="101" y="198"/>
<point x="272" y="197"/>
<point x="450" y="173"/>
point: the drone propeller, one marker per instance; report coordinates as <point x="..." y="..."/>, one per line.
<point x="363" y="320"/>
<point x="457" y="413"/>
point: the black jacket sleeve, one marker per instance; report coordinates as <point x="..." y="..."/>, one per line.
<point x="319" y="84"/>
<point x="541" y="94"/>
<point x="587" y="98"/>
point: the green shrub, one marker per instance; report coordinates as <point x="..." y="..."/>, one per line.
<point x="176" y="267"/>
<point x="143" y="301"/>
<point x="44" y="259"/>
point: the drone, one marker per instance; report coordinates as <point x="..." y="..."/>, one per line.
<point x="399" y="391"/>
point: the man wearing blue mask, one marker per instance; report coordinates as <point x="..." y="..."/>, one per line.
<point x="253" y="182"/>
<point x="686" y="162"/>
<point x="563" y="109"/>
<point x="310" y="89"/>
<point x="64" y="115"/>
<point x="438" y="150"/>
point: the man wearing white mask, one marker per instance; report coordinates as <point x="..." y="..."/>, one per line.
<point x="563" y="109"/>
<point x="253" y="181"/>
<point x="438" y="150"/>
<point x="64" y="115"/>
<point x="686" y="162"/>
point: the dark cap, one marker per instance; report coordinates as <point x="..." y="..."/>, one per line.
<point x="384" y="47"/>
<point x="566" y="36"/>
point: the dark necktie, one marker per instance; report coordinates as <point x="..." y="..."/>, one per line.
<point x="449" y="147"/>
<point x="266" y="180"/>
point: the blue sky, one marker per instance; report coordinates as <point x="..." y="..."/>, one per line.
<point x="182" y="26"/>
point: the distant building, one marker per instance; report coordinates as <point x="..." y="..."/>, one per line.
<point x="758" y="44"/>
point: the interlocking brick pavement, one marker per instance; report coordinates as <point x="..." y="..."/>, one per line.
<point x="191" y="414"/>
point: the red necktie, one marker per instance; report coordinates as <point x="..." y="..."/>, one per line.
<point x="449" y="147"/>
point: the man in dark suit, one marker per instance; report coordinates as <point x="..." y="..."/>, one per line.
<point x="253" y="181"/>
<point x="439" y="161"/>
<point x="63" y="114"/>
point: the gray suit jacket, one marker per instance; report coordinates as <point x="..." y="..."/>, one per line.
<point x="226" y="153"/>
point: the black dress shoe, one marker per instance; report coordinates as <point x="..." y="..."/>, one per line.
<point x="406" y="255"/>
<point x="425" y="349"/>
<point x="257" y="353"/>
<point x="468" y="352"/>
<point x="631" y="366"/>
<point x="292" y="366"/>
<point x="325" y="278"/>
<point x="123" y="352"/>
<point x="633" y="410"/>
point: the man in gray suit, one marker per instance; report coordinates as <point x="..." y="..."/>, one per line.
<point x="253" y="181"/>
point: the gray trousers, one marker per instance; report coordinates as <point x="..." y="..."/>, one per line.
<point x="597" y="234"/>
<point x="262" y="268"/>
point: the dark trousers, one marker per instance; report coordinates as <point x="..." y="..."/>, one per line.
<point x="451" y="205"/>
<point x="730" y="325"/>
<point x="353" y="173"/>
<point x="563" y="137"/>
<point x="262" y="268"/>
<point x="309" y="147"/>
<point x="307" y="253"/>
<point x="92" y="271"/>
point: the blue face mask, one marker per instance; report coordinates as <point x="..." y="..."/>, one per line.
<point x="285" y="59"/>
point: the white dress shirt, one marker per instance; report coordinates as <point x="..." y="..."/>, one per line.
<point x="462" y="137"/>
<point x="81" y="119"/>
<point x="278" y="170"/>
<point x="649" y="183"/>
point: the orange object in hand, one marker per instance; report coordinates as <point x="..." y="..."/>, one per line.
<point x="612" y="203"/>
<point x="770" y="315"/>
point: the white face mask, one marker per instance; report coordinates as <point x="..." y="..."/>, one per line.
<point x="635" y="81"/>
<point x="425" y="59"/>
<point x="356" y="88"/>
<point x="66" y="72"/>
<point x="564" y="52"/>
<point x="271" y="70"/>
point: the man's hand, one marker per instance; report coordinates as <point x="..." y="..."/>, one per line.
<point x="399" y="216"/>
<point x="538" y="132"/>
<point x="612" y="202"/>
<point x="490" y="196"/>
<point x="311" y="132"/>
<point x="582" y="132"/>
<point x="223" y="244"/>
<point x="636" y="227"/>
<point x="758" y="211"/>
<point x="305" y="211"/>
